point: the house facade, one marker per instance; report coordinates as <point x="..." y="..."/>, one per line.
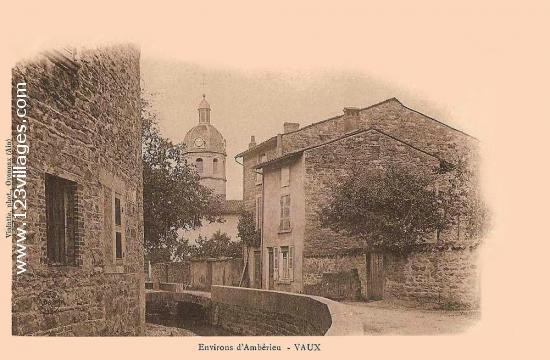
<point x="84" y="221"/>
<point x="299" y="170"/>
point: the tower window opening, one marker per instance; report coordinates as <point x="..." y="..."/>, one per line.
<point x="199" y="165"/>
<point x="215" y="166"/>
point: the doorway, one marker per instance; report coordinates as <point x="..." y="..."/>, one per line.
<point x="271" y="285"/>
<point x="375" y="275"/>
<point x="257" y="269"/>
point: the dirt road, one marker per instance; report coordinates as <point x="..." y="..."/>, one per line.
<point x="381" y="318"/>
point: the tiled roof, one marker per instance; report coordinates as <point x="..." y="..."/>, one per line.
<point x="339" y="116"/>
<point x="295" y="153"/>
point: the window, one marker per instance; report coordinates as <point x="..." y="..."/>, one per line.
<point x="284" y="224"/>
<point x="276" y="263"/>
<point x="60" y="220"/>
<point x="118" y="228"/>
<point x="284" y="263"/>
<point x="262" y="158"/>
<point x="199" y="165"/>
<point x="285" y="176"/>
<point x="259" y="212"/>
<point x="287" y="263"/>
<point x="215" y="166"/>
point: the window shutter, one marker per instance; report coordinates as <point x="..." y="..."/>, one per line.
<point x="275" y="263"/>
<point x="282" y="216"/>
<point x="285" y="176"/>
<point x="288" y="212"/>
<point x="291" y="263"/>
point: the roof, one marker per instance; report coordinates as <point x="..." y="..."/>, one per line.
<point x="262" y="144"/>
<point x="213" y="139"/>
<point x="297" y="153"/>
<point x="204" y="104"/>
<point x="232" y="207"/>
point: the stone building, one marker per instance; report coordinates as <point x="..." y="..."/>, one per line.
<point x="290" y="176"/>
<point x="84" y="223"/>
<point x="205" y="148"/>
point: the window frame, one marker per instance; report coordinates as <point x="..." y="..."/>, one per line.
<point x="67" y="247"/>
<point x="284" y="271"/>
<point x="215" y="166"/>
<point x="285" y="176"/>
<point x="259" y="212"/>
<point x="284" y="216"/>
<point x="200" y="169"/>
<point x="118" y="228"/>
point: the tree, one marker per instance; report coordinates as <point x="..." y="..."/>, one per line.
<point x="399" y="208"/>
<point x="250" y="236"/>
<point x="462" y="205"/>
<point x="173" y="197"/>
<point x="218" y="245"/>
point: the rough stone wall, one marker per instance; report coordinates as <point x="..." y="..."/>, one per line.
<point x="255" y="312"/>
<point x="327" y="252"/>
<point x="84" y="126"/>
<point x="171" y="272"/>
<point x="316" y="281"/>
<point x="227" y="272"/>
<point x="447" y="278"/>
<point x="395" y="119"/>
<point x="252" y="322"/>
<point x="205" y="273"/>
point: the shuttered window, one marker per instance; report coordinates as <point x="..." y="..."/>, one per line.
<point x="276" y="263"/>
<point x="286" y="260"/>
<point x="119" y="253"/>
<point x="259" y="212"/>
<point x="285" y="176"/>
<point x="284" y="223"/>
<point x="291" y="263"/>
<point x="60" y="220"/>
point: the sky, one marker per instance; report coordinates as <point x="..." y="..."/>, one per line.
<point x="258" y="101"/>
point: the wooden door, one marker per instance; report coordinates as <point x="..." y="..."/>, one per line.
<point x="271" y="268"/>
<point x="375" y="276"/>
<point x="257" y="269"/>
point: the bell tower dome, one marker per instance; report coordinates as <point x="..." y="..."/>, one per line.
<point x="205" y="149"/>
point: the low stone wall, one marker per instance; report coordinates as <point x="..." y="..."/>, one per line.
<point x="446" y="278"/>
<point x="208" y="272"/>
<point x="198" y="274"/>
<point x="336" y="277"/>
<point x="176" y="272"/>
<point x="256" y="312"/>
<point x="253" y="312"/>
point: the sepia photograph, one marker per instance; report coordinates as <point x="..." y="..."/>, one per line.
<point x="279" y="179"/>
<point x="146" y="219"/>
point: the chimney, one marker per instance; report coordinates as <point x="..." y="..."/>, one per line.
<point x="290" y="127"/>
<point x="252" y="142"/>
<point x="351" y="118"/>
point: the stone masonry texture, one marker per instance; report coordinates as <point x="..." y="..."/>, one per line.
<point x="84" y="126"/>
<point x="402" y="137"/>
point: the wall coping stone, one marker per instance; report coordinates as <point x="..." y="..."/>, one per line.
<point x="337" y="318"/>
